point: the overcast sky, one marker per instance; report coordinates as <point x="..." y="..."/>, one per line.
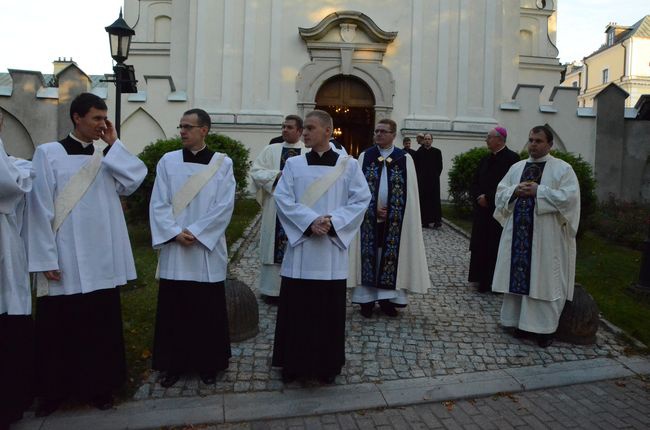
<point x="33" y="33"/>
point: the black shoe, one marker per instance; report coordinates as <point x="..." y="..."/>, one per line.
<point x="170" y="379"/>
<point x="46" y="407"/>
<point x="366" y="309"/>
<point x="103" y="402"/>
<point x="270" y="300"/>
<point x="520" y="334"/>
<point x="484" y="288"/>
<point x="437" y="225"/>
<point x="208" y="378"/>
<point x="425" y="225"/>
<point x="544" y="340"/>
<point x="388" y="308"/>
<point x="287" y="376"/>
<point x="327" y="379"/>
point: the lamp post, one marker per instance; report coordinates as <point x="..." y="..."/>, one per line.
<point x="120" y="35"/>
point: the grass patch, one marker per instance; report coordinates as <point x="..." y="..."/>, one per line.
<point x="451" y="214"/>
<point x="606" y="270"/>
<point x="139" y="298"/>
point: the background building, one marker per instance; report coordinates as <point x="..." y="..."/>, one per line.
<point x="624" y="59"/>
<point x="454" y="68"/>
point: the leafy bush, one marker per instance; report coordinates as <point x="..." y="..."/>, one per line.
<point x="464" y="165"/>
<point x="625" y="223"/>
<point x="138" y="202"/>
<point x="585" y="174"/>
<point x="460" y="179"/>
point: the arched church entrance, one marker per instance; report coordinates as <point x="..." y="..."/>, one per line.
<point x="351" y="104"/>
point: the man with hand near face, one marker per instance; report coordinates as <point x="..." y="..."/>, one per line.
<point x="265" y="173"/>
<point x="321" y="198"/>
<point x="538" y="205"/>
<point x="191" y="205"/>
<point x="78" y="244"/>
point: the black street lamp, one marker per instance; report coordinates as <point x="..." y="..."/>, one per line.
<point x="120" y="35"/>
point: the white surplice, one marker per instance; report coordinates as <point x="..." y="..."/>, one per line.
<point x="412" y="268"/>
<point x="553" y="253"/>
<point x="206" y="217"/>
<point x="91" y="249"/>
<point x="264" y="172"/>
<point x="15" y="182"/>
<point x="320" y="257"/>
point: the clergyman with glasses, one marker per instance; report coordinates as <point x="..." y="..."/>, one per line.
<point x="538" y="205"/>
<point x="388" y="257"/>
<point x="191" y="205"/>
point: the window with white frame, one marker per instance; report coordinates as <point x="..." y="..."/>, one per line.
<point x="605" y="76"/>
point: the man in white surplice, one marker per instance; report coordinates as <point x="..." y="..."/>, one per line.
<point x="538" y="205"/>
<point x="321" y="199"/>
<point x="16" y="325"/>
<point x="191" y="205"/>
<point x="79" y="245"/>
<point x="265" y="173"/>
<point x="388" y="256"/>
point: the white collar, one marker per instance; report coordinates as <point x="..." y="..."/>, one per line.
<point x="84" y="144"/>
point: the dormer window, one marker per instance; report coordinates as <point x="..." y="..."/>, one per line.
<point x="610" y="37"/>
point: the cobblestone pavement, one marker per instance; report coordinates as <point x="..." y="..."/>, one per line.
<point x="450" y="330"/>
<point x="613" y="404"/>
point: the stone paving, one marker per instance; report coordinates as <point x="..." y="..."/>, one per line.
<point x="452" y="329"/>
<point x="622" y="403"/>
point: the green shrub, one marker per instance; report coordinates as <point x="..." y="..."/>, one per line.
<point x="625" y="223"/>
<point x="138" y="202"/>
<point x="464" y="165"/>
<point x="585" y="174"/>
<point x="460" y="179"/>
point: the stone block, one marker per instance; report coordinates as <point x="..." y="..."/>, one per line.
<point x="580" y="319"/>
<point x="243" y="313"/>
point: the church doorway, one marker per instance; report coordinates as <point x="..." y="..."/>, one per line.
<point x="351" y="104"/>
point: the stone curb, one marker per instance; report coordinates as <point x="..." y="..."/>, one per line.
<point x="238" y="407"/>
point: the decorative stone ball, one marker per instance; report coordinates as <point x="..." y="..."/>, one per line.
<point x="579" y="320"/>
<point x="243" y="314"/>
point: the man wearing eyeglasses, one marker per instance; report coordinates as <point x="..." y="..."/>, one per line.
<point x="191" y="205"/>
<point x="428" y="162"/>
<point x="265" y="173"/>
<point x="388" y="256"/>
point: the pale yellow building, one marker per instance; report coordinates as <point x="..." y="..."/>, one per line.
<point x="624" y="59"/>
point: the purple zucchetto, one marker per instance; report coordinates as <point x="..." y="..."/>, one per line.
<point x="502" y="131"/>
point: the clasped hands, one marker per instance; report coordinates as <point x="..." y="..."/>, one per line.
<point x="321" y="225"/>
<point x="526" y="189"/>
<point x="185" y="238"/>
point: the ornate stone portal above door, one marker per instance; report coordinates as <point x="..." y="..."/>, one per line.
<point x="346" y="43"/>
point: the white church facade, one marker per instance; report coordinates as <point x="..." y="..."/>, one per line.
<point x="453" y="68"/>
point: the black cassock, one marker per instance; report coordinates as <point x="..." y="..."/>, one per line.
<point x="486" y="231"/>
<point x="428" y="164"/>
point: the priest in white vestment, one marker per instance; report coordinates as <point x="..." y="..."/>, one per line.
<point x="387" y="257"/>
<point x="321" y="198"/>
<point x="78" y="244"/>
<point x="265" y="173"/>
<point x="538" y="205"/>
<point x="16" y="326"/>
<point x="191" y="205"/>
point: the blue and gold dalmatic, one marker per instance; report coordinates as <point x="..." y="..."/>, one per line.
<point x="522" y="233"/>
<point x="388" y="238"/>
<point x="280" y="244"/>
